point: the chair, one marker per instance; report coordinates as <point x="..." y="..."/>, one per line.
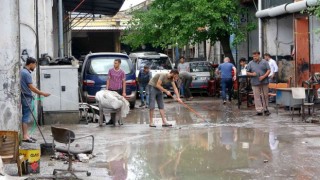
<point x="66" y="136"/>
<point x="300" y="94"/>
<point x="9" y="149"/>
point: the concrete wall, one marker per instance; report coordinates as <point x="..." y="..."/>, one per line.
<point x="314" y="40"/>
<point x="9" y="66"/>
<point x="18" y="29"/>
<point x="278" y="36"/>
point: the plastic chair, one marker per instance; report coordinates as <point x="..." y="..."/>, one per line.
<point x="9" y="149"/>
<point x="300" y="94"/>
<point x="66" y="136"/>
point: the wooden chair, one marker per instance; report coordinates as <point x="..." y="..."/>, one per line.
<point x="9" y="149"/>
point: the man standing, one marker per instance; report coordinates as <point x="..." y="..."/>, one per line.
<point x="273" y="68"/>
<point x="183" y="67"/>
<point x="26" y="96"/>
<point x="143" y="80"/>
<point x="116" y="82"/>
<point x="156" y="90"/>
<point x="186" y="80"/>
<point x="259" y="71"/>
<point x="225" y="69"/>
<point x="273" y="74"/>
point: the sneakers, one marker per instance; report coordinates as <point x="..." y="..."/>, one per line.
<point x="267" y="113"/>
<point x="224" y="101"/>
<point x="142" y="105"/>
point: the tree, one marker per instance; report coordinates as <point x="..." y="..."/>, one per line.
<point x="187" y="21"/>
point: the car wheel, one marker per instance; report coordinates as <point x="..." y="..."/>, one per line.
<point x="132" y="104"/>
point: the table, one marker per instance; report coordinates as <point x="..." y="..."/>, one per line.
<point x="284" y="97"/>
<point x="247" y="89"/>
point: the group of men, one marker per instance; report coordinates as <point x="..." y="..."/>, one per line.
<point x="261" y="72"/>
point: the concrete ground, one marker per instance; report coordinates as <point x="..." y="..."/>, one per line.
<point x="233" y="144"/>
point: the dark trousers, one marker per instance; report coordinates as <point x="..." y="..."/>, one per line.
<point x="226" y="83"/>
<point x="186" y="83"/>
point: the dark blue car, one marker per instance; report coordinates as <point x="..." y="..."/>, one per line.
<point x="94" y="74"/>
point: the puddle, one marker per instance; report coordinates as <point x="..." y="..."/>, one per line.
<point x="221" y="152"/>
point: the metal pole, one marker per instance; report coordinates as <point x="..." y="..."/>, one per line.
<point x="60" y="32"/>
<point x="260" y="28"/>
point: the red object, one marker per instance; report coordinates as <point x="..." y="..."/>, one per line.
<point x="212" y="87"/>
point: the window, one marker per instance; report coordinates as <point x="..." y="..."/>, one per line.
<point x="155" y="64"/>
<point x="199" y="67"/>
<point x="102" y="65"/>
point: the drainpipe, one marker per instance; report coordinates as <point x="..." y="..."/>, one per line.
<point x="260" y="28"/>
<point x="60" y="32"/>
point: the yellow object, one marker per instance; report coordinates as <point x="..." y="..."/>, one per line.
<point x="31" y="155"/>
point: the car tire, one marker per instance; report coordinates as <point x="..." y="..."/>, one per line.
<point x="132" y="105"/>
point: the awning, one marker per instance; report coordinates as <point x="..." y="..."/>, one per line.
<point x="105" y="7"/>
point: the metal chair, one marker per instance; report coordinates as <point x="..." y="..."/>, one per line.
<point x="300" y="94"/>
<point x="9" y="150"/>
<point x="66" y="136"/>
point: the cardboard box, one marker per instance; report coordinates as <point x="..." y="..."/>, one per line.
<point x="33" y="160"/>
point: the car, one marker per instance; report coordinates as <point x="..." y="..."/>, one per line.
<point x="94" y="74"/>
<point x="158" y="63"/>
<point x="201" y="72"/>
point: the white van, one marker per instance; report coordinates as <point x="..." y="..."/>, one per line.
<point x="157" y="62"/>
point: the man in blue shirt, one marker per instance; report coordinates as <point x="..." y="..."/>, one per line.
<point x="26" y="96"/>
<point x="225" y="69"/>
<point x="143" y="79"/>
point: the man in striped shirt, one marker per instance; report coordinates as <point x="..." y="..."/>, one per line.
<point x="116" y="82"/>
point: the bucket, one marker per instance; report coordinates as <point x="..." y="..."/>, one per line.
<point x="46" y="149"/>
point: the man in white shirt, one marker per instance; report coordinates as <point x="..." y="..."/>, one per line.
<point x="273" y="74"/>
<point x="273" y="67"/>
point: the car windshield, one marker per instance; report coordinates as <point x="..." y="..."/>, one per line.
<point x="155" y="64"/>
<point x="101" y="65"/>
<point x="199" y="67"/>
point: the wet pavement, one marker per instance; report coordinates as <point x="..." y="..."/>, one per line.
<point x="233" y="144"/>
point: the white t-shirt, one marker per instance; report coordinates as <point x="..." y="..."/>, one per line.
<point x="183" y="67"/>
<point x="273" y="67"/>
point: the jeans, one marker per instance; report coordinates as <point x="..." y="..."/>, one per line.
<point x="226" y="83"/>
<point x="186" y="83"/>
<point x="26" y="111"/>
<point x="182" y="89"/>
<point x="144" y="87"/>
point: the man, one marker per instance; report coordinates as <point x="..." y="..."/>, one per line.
<point x="225" y="69"/>
<point x="186" y="80"/>
<point x="243" y="72"/>
<point x="143" y="80"/>
<point x="156" y="90"/>
<point x="116" y="82"/>
<point x="273" y="68"/>
<point x="183" y="67"/>
<point x="26" y="96"/>
<point x="259" y="71"/>
<point x="273" y="74"/>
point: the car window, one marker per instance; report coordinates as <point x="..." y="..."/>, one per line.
<point x="154" y="64"/>
<point x="199" y="67"/>
<point x="102" y="65"/>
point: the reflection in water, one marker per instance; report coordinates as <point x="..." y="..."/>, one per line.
<point x="192" y="154"/>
